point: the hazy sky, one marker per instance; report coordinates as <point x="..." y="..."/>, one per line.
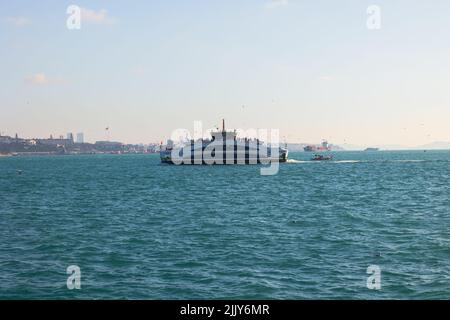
<point x="311" y="68"/>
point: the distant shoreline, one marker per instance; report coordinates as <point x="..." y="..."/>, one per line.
<point x="30" y="154"/>
<point x="25" y="154"/>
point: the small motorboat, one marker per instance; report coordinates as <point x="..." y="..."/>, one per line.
<point x="320" y="157"/>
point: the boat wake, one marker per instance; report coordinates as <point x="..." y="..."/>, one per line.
<point x="348" y="161"/>
<point x="409" y="160"/>
<point x="312" y="161"/>
<point x="297" y="161"/>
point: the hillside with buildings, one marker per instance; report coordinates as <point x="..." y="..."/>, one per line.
<point x="57" y="146"/>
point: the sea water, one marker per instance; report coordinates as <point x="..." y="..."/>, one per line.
<point x="138" y="229"/>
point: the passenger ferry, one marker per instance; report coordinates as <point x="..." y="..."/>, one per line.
<point x="224" y="147"/>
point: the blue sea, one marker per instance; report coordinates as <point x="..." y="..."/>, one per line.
<point x="138" y="229"/>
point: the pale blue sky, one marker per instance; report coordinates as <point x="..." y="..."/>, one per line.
<point x="310" y="68"/>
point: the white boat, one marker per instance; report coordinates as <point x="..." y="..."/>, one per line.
<point x="223" y="148"/>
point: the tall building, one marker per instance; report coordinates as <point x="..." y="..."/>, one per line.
<point x="80" y="137"/>
<point x="70" y="136"/>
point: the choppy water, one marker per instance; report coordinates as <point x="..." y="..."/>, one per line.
<point x="138" y="229"/>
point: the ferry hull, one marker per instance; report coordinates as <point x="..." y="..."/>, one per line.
<point x="166" y="158"/>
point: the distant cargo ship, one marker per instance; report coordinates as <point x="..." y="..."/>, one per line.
<point x="372" y="149"/>
<point x="317" y="148"/>
<point x="233" y="150"/>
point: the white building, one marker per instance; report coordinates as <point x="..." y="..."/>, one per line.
<point x="80" y="137"/>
